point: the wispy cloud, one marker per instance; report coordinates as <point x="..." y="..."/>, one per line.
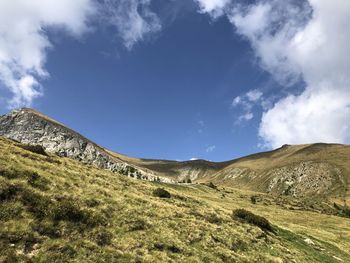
<point x="201" y="125"/>
<point x="133" y="19"/>
<point x="245" y="103"/>
<point x="210" y="149"/>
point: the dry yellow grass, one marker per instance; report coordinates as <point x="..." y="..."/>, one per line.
<point x="58" y="209"/>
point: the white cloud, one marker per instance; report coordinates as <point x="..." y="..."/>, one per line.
<point x="254" y="95"/>
<point x="214" y="7"/>
<point x="194" y="159"/>
<point x="316" y="52"/>
<point x="306" y="41"/>
<point x="24" y="43"/>
<point x="133" y="19"/>
<point x="245" y="104"/>
<point x="310" y="117"/>
<point x="210" y="149"/>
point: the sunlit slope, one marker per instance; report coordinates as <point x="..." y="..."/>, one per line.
<point x="316" y="170"/>
<point x="321" y="170"/>
<point x="56" y="209"/>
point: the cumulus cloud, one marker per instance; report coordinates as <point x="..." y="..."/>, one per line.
<point x="133" y="19"/>
<point x="214" y="7"/>
<point x="313" y="50"/>
<point x="301" y="41"/>
<point x="24" y="43"/>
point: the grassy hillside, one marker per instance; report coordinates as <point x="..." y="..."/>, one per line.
<point x="57" y="210"/>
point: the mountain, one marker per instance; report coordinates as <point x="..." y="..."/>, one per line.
<point x="286" y="205"/>
<point x="56" y="209"/>
<point x="317" y="170"/>
<point x="34" y="128"/>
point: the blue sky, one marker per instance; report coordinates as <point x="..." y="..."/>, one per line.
<point x="211" y="79"/>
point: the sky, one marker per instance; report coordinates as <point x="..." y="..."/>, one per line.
<point x="181" y="79"/>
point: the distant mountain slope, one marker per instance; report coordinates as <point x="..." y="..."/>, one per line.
<point x="299" y="170"/>
<point x="320" y="170"/>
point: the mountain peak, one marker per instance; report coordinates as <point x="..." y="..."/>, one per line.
<point x="31" y="127"/>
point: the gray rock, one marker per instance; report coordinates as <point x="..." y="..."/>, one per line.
<point x="30" y="127"/>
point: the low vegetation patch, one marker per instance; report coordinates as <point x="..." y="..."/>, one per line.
<point x="249" y="217"/>
<point x="162" y="193"/>
<point x="253" y="199"/>
<point x="34" y="149"/>
<point x="343" y="210"/>
<point x="212" y="185"/>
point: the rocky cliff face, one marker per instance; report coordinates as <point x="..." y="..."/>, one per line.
<point x="30" y="127"/>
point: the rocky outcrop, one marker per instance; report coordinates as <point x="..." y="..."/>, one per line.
<point x="304" y="179"/>
<point x="30" y="127"/>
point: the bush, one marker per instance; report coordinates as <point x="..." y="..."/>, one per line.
<point x="67" y="210"/>
<point x="347" y="211"/>
<point x="34" y="149"/>
<point x="33" y="178"/>
<point x="162" y="193"/>
<point x="213" y="218"/>
<point x="10" y="210"/>
<point x="211" y="185"/>
<point x="8" y="191"/>
<point x="189" y="181"/>
<point x="37" y="181"/>
<point x="138" y="225"/>
<point x="38" y="204"/>
<point x="103" y="237"/>
<point x="92" y="202"/>
<point x="253" y="219"/>
<point x="253" y="199"/>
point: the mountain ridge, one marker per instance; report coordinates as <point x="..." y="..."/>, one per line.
<point x="308" y="169"/>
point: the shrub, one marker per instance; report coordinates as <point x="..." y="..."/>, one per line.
<point x="37" y="181"/>
<point x="347" y="211"/>
<point x="253" y="219"/>
<point x="8" y="191"/>
<point x="138" y="225"/>
<point x="34" y="149"/>
<point x="46" y="228"/>
<point x="253" y="199"/>
<point x="10" y="211"/>
<point x="9" y="174"/>
<point x="171" y="248"/>
<point x="239" y="245"/>
<point x="189" y="181"/>
<point x="103" y="237"/>
<point x="33" y="178"/>
<point x="38" y="204"/>
<point x="162" y="193"/>
<point x="67" y="210"/>
<point x="211" y="185"/>
<point x="213" y="218"/>
<point x="92" y="202"/>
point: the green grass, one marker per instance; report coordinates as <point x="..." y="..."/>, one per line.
<point x="57" y="210"/>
